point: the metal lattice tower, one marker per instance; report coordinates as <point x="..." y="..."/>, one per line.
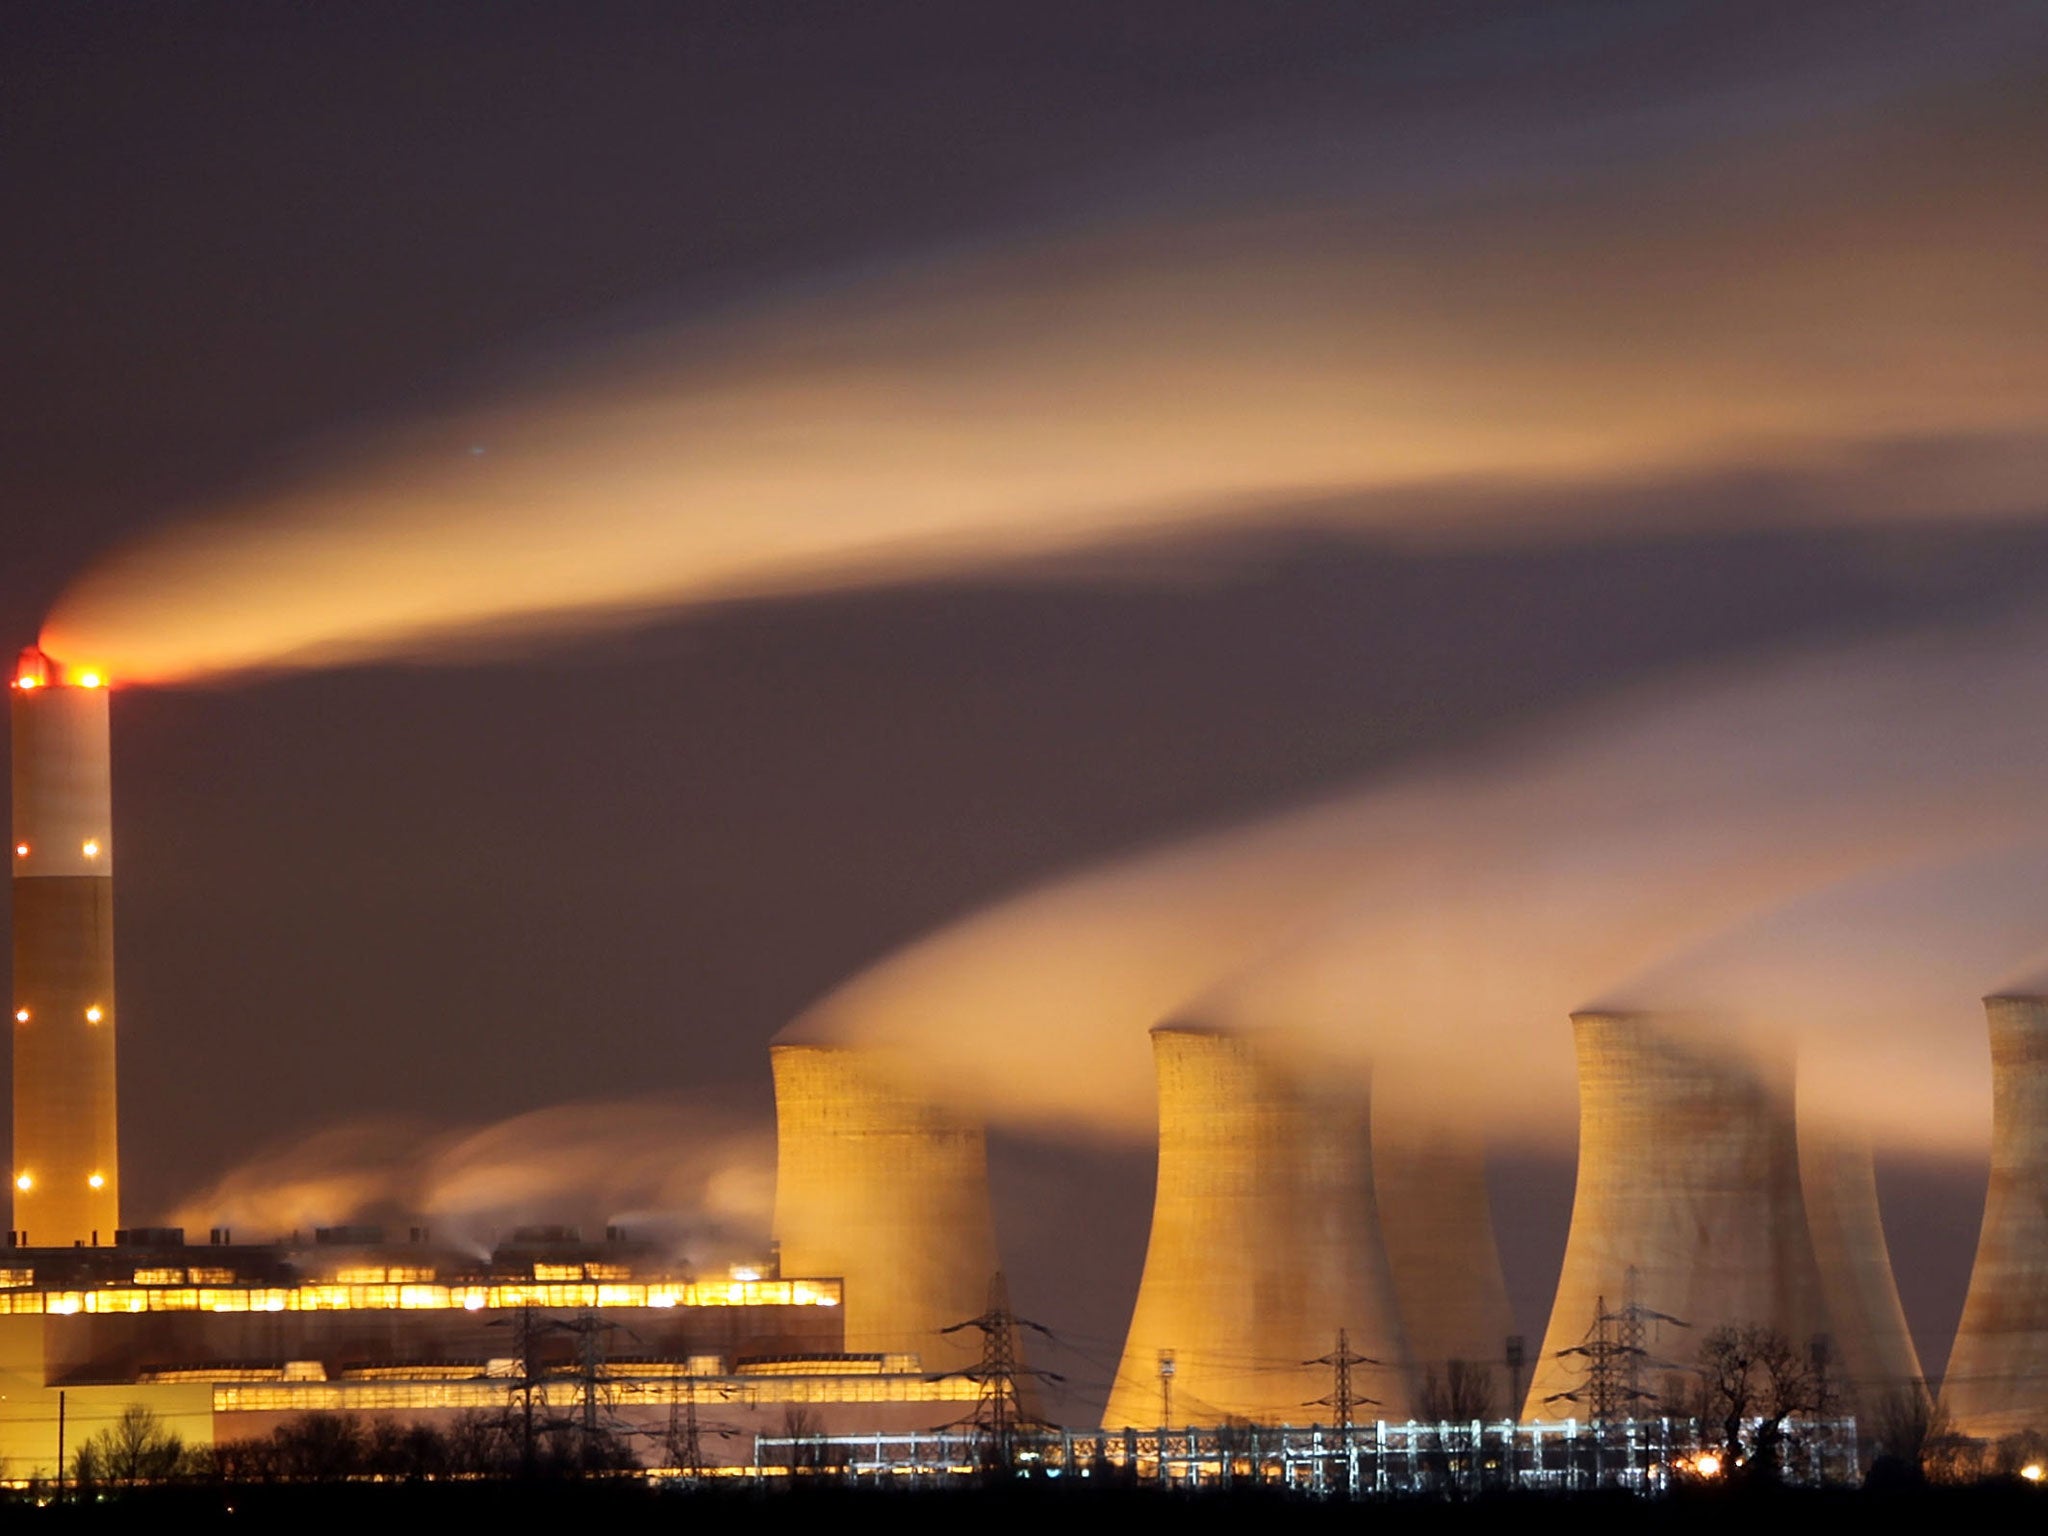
<point x="999" y="1410"/>
<point x="1615" y="1350"/>
<point x="1342" y="1399"/>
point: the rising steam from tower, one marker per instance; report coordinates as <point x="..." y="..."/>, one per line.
<point x="66" y="1169"/>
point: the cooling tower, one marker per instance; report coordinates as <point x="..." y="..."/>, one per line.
<point x="1265" y="1242"/>
<point x="1430" y="1180"/>
<point x="876" y="1184"/>
<point x="1872" y="1342"/>
<point x="1997" y="1377"/>
<point x="67" y="1176"/>
<point x="1688" y="1198"/>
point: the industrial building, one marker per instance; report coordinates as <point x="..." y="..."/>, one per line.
<point x="1997" y="1378"/>
<point x="1265" y="1243"/>
<point x="880" y="1186"/>
<point x="1688" y="1202"/>
<point x="1867" y="1322"/>
<point x="1702" y="1203"/>
<point x="1321" y="1250"/>
<point x="226" y="1341"/>
<point x="1429" y="1182"/>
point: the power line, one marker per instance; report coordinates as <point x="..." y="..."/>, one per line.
<point x="999" y="1410"/>
<point x="1341" y="1399"/>
<point x="1615" y="1351"/>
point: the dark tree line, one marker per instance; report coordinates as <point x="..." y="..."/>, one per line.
<point x="139" y="1451"/>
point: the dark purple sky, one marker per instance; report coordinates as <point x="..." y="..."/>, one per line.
<point x="620" y="865"/>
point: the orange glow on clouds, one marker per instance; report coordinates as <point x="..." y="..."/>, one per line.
<point x="1803" y="312"/>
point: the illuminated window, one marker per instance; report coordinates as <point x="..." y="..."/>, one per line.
<point x="94" y="1014"/>
<point x="24" y="1181"/>
<point x="21" y="1015"/>
<point x="97" y="1181"/>
<point x="92" y="848"/>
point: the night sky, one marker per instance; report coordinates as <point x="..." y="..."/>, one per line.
<point x="611" y="860"/>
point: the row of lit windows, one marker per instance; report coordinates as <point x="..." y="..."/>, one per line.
<point x="93" y="1014"/>
<point x="424" y="1298"/>
<point x="170" y="1276"/>
<point x="366" y="1396"/>
<point x="561" y="1272"/>
<point x="90" y="848"/>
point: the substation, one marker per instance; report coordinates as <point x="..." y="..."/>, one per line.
<point x="1322" y="1302"/>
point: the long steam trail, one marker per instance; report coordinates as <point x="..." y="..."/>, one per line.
<point x="1775" y="300"/>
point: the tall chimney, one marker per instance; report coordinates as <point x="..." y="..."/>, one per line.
<point x="1688" y="1200"/>
<point x="1265" y="1243"/>
<point x="1996" y="1383"/>
<point x="67" y="1176"/>
<point x="876" y="1184"/>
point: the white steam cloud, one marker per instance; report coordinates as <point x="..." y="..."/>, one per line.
<point x="1451" y="921"/>
<point x="1739" y="301"/>
<point x="696" y="1175"/>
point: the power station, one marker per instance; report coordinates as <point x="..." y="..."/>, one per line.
<point x="1321" y="1251"/>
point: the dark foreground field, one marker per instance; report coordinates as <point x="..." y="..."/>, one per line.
<point x="1063" y="1510"/>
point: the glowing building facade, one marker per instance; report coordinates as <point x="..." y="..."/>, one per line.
<point x="66" y="1172"/>
<point x="226" y="1342"/>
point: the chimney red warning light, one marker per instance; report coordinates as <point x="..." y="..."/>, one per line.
<point x="34" y="669"/>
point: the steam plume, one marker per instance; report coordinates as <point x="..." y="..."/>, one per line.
<point x="695" y="1173"/>
<point x="1342" y="343"/>
<point x="1459" y="916"/>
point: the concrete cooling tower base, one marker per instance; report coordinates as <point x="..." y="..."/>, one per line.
<point x="1437" y="1220"/>
<point x="1688" y="1199"/>
<point x="1265" y="1242"/>
<point x="877" y="1185"/>
<point x="1997" y="1378"/>
<point x="1872" y="1341"/>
